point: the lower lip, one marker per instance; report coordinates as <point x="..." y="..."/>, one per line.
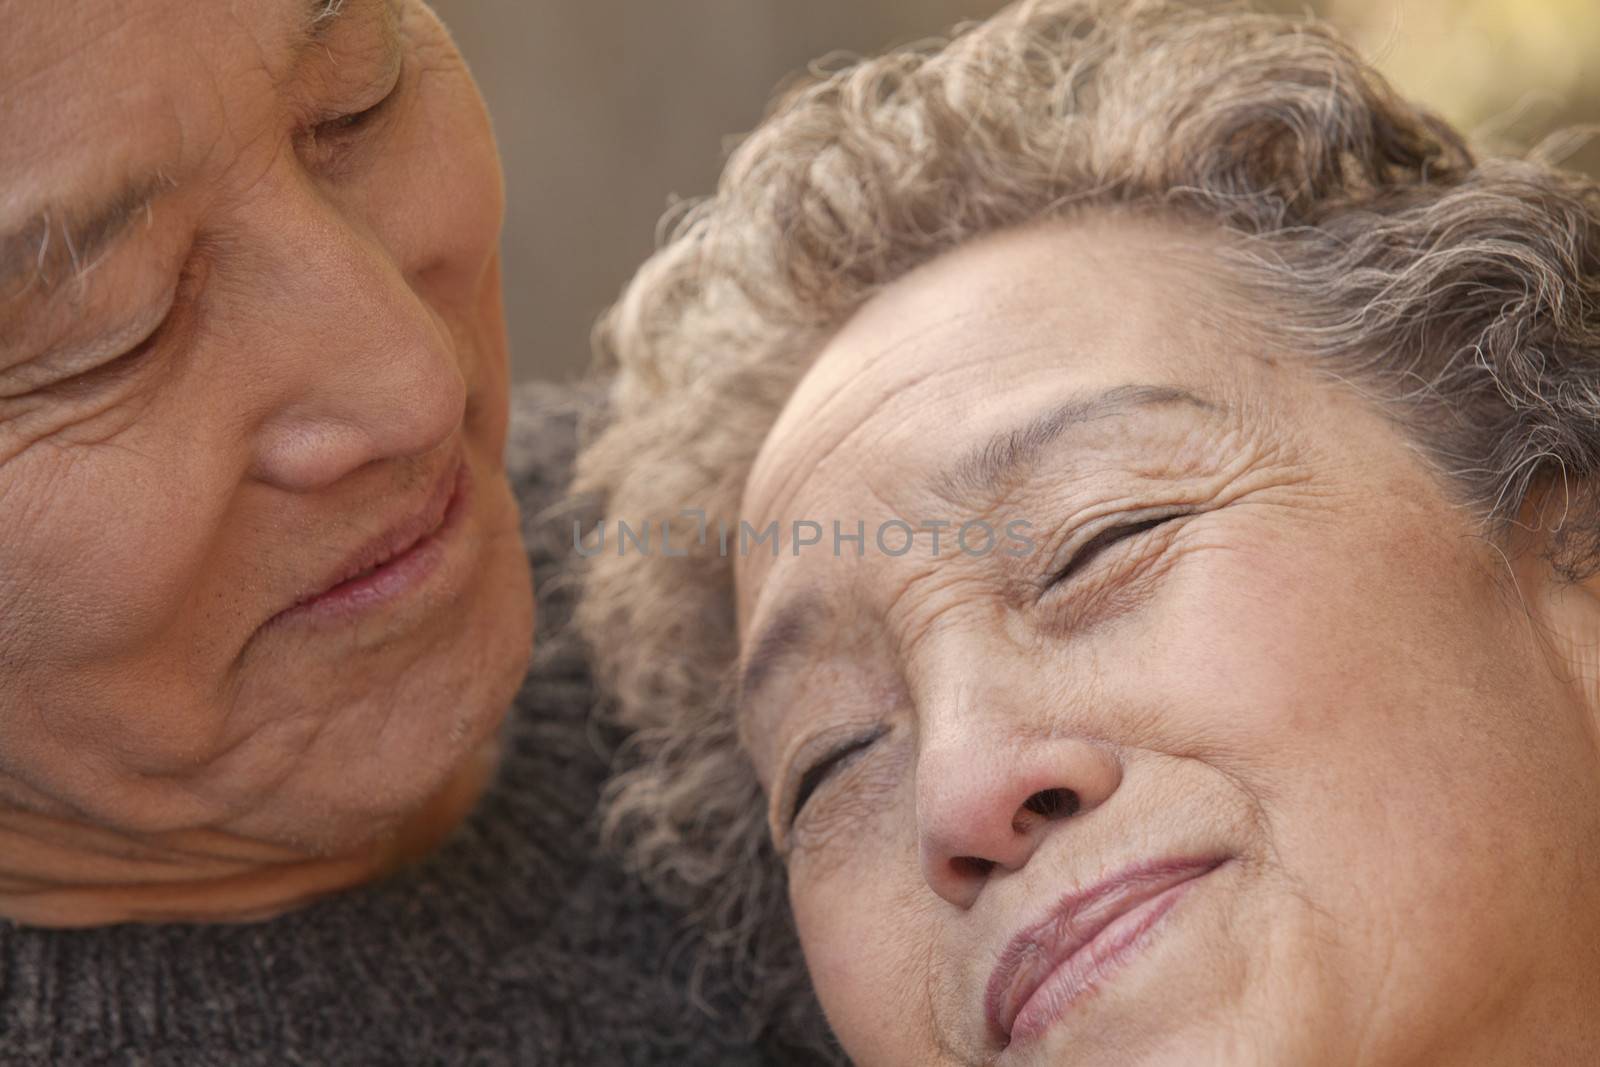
<point x="397" y="578"/>
<point x="1092" y="964"/>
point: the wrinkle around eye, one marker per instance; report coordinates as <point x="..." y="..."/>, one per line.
<point x="856" y="809"/>
<point x="826" y="765"/>
<point x="330" y="137"/>
<point x="68" y="408"/>
<point x="1106" y="539"/>
<point x="52" y="372"/>
<point x="33" y="423"/>
<point x="1120" y="578"/>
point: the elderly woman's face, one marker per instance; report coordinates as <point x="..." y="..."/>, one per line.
<point x="251" y="347"/>
<point x="1243" y="749"/>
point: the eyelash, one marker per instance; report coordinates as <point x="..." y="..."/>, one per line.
<point x="342" y="125"/>
<point x="1100" y="542"/>
<point x="835" y="760"/>
<point x="125" y="363"/>
<point x="829" y="764"/>
<point x="118" y="368"/>
<point x="353" y="121"/>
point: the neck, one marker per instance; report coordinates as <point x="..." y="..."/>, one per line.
<point x="58" y="872"/>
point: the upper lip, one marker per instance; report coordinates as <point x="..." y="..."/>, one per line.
<point x="419" y="520"/>
<point x="1075" y="920"/>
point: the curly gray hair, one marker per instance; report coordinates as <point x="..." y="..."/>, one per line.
<point x="1461" y="291"/>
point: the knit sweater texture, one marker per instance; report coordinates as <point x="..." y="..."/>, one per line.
<point x="517" y="942"/>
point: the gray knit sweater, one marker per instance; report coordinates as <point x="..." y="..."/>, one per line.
<point x="516" y="943"/>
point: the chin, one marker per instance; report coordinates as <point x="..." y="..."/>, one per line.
<point x="387" y="730"/>
<point x="448" y="715"/>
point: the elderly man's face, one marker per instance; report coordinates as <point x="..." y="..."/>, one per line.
<point x="251" y="346"/>
<point x="1243" y="750"/>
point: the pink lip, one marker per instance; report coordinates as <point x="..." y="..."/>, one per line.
<point x="1051" y="963"/>
<point x="393" y="562"/>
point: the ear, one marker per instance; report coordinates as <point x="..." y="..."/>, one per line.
<point x="1565" y="609"/>
<point x="1570" y="617"/>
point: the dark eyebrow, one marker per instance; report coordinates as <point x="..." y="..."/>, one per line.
<point x="60" y="244"/>
<point x="1009" y="452"/>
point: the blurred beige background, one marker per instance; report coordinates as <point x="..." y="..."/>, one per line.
<point x="608" y="109"/>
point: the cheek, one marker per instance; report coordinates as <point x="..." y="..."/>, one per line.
<point x="109" y="656"/>
<point x="102" y="560"/>
<point x="1376" y="701"/>
<point x="481" y="348"/>
<point x="859" y="957"/>
<point x="439" y="210"/>
<point x="870" y="938"/>
<point x="1383" y="652"/>
<point x="438" y="199"/>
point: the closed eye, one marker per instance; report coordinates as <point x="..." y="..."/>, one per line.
<point x="337" y="125"/>
<point x="825" y="767"/>
<point x="1103" y="540"/>
<point x="122" y="358"/>
<point x="353" y="121"/>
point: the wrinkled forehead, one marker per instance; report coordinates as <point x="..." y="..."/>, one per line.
<point x="973" y="345"/>
<point x="108" y="105"/>
<point x="88" y="67"/>
<point x="90" y="80"/>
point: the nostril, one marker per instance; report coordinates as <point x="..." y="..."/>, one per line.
<point x="972" y="866"/>
<point x="1052" y="803"/>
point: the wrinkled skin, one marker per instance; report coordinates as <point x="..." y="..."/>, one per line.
<point x="322" y="300"/>
<point x="1314" y="670"/>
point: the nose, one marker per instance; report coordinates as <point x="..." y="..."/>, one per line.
<point x="984" y="806"/>
<point x="359" y="366"/>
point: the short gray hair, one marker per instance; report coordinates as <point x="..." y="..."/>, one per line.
<point x="1461" y="290"/>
